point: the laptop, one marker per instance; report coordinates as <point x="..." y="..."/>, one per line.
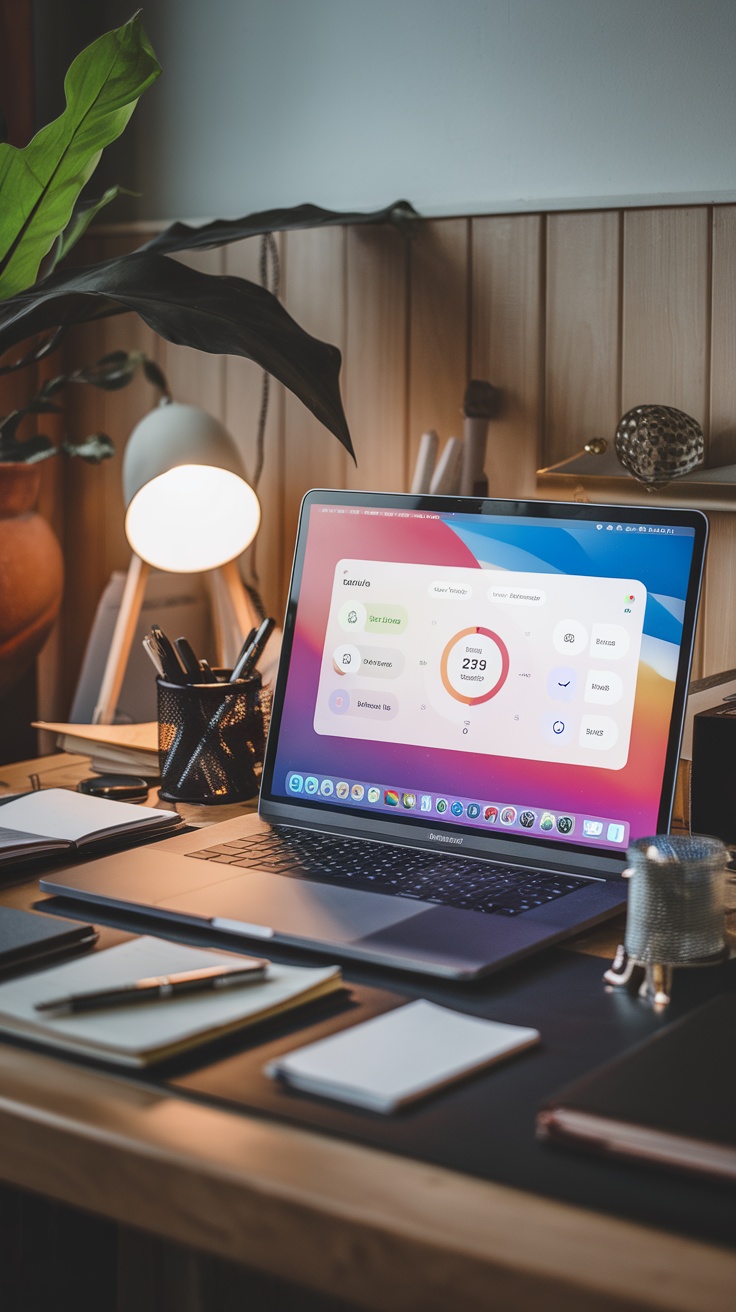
<point x="479" y="704"/>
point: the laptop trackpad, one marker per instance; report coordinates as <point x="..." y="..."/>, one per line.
<point x="296" y="907"/>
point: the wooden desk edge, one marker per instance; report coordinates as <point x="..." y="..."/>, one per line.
<point x="380" y="1230"/>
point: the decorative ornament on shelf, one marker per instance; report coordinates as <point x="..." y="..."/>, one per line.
<point x="657" y="443"/>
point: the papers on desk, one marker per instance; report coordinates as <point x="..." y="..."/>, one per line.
<point x="401" y="1056"/>
<point x="143" y="1033"/>
<point x="56" y="821"/>
<point x="114" y="748"/>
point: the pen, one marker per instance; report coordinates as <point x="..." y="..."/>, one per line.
<point x="173" y="669"/>
<point x="187" y="656"/>
<point x="248" y="659"/>
<point x="158" y="986"/>
<point x="244" y="650"/>
<point x="153" y="653"/>
<point x="246" y="645"/>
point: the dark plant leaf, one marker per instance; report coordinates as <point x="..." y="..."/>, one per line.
<point x="111" y="377"/>
<point x="94" y="449"/>
<point x="38" y="352"/>
<point x="9" y="425"/>
<point x="108" y="382"/>
<point x="182" y="237"/>
<point x="219" y="315"/>
<point x="156" y="376"/>
<point x="38" y="405"/>
<point x="118" y="369"/>
<point x="53" y="385"/>
<point x="114" y="357"/>
<point x="30" y="451"/>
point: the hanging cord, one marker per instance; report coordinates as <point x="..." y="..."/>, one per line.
<point x="270" y="274"/>
<point x="270" y="270"/>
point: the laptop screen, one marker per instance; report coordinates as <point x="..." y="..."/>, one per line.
<point x="513" y="669"/>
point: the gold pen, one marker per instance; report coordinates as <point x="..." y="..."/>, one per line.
<point x="158" y="986"/>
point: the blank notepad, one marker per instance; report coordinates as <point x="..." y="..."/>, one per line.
<point x="393" y="1059"/>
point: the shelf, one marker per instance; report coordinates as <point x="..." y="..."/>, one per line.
<point x="573" y="480"/>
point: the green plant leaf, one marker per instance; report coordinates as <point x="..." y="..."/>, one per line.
<point x="83" y="214"/>
<point x="219" y="315"/>
<point x="182" y="237"/>
<point x="39" y="184"/>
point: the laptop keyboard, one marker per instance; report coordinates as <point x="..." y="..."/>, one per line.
<point x="404" y="872"/>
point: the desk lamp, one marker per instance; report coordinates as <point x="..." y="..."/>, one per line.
<point x="188" y="509"/>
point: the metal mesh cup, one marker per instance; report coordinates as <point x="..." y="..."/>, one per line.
<point x="675" y="910"/>
<point x="211" y="739"/>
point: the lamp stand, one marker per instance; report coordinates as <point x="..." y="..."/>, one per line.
<point x="122" y="638"/>
<point x="232" y="614"/>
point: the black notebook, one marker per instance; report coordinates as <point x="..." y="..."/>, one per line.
<point x="670" y="1101"/>
<point x="32" y="936"/>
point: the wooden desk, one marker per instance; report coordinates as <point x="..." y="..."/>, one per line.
<point x="356" y="1227"/>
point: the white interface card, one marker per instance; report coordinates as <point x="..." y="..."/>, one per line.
<point x="541" y="667"/>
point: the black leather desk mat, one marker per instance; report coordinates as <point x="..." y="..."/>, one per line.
<point x="484" y="1126"/>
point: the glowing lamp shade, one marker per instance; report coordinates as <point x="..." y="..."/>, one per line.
<point x="195" y="517"/>
<point x="189" y="506"/>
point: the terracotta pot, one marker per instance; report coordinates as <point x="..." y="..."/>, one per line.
<point x="31" y="572"/>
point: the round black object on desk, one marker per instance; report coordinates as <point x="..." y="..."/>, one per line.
<point x="118" y="787"/>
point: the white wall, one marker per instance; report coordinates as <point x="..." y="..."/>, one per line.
<point x="462" y="106"/>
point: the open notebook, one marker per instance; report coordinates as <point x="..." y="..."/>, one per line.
<point x="144" y="1033"/>
<point x="59" y="822"/>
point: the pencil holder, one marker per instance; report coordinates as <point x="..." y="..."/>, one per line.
<point x="675" y="913"/>
<point x="211" y="740"/>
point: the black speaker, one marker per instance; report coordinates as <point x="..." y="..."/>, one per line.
<point x="713" y="776"/>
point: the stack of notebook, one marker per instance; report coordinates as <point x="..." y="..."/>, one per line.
<point x="123" y="748"/>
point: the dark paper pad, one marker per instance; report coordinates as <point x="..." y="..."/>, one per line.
<point x="27" y="937"/>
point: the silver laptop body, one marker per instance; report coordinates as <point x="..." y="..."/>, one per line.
<point x="479" y="703"/>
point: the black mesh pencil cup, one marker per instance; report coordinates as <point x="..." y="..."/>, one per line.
<point x="211" y="739"/>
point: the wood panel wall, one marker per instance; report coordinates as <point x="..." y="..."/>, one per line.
<point x="574" y="316"/>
